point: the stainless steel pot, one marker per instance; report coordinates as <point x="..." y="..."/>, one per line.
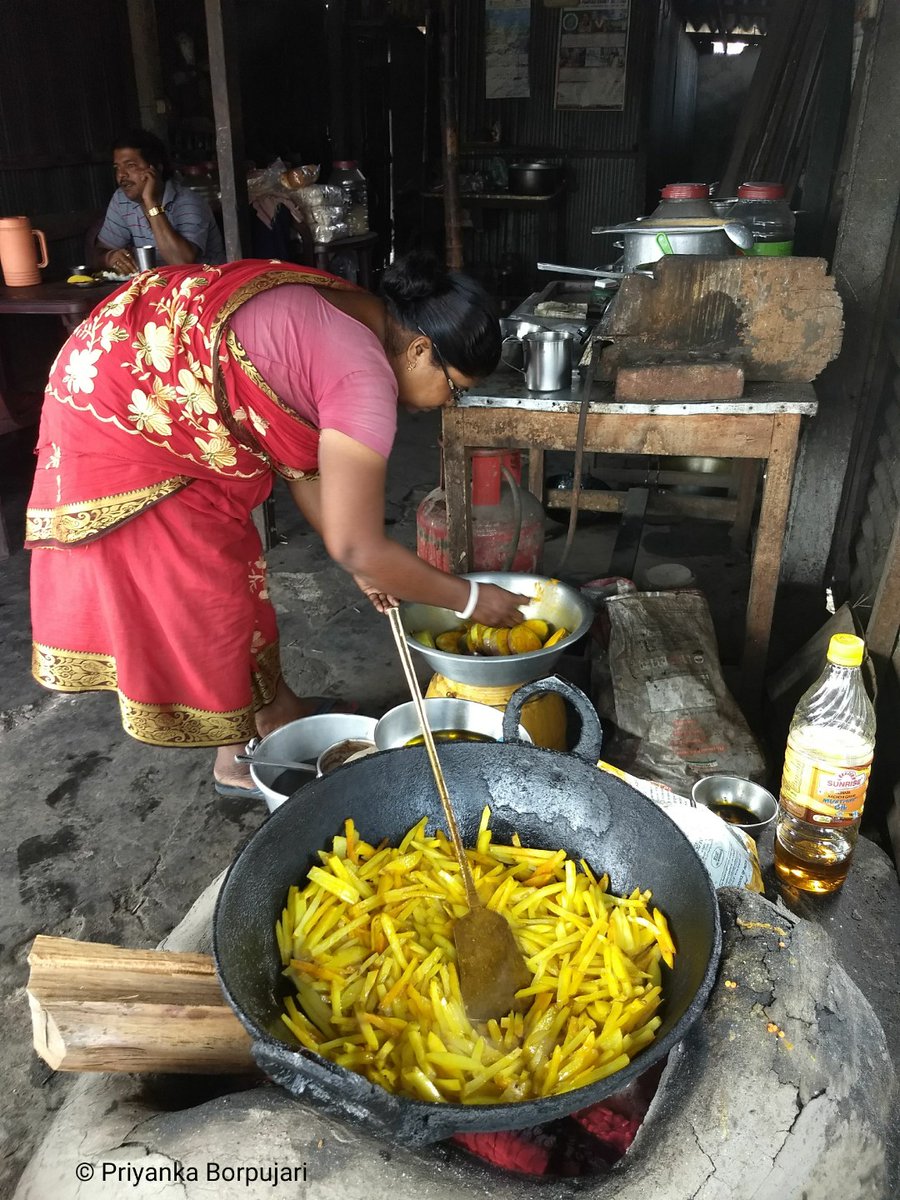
<point x="554" y="601"/>
<point x="647" y="242"/>
<point x="533" y="178"/>
<point x="400" y="725"/>
<point x="300" y="741"/>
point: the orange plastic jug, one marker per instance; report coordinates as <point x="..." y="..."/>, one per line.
<point x="19" y="257"/>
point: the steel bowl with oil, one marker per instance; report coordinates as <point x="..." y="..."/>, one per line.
<point x="738" y="801"/>
<point x="553" y="601"/>
<point x="467" y="719"/>
<point x="338" y="753"/>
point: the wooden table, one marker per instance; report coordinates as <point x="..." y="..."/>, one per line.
<point x="547" y="208"/>
<point x="70" y="303"/>
<point x="362" y="243"/>
<point x="763" y="425"/>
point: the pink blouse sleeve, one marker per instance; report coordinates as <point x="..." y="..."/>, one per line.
<point x="324" y="365"/>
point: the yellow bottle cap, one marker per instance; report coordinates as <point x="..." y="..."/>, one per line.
<point x="846" y="650"/>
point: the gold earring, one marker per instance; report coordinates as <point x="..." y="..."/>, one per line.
<point x="410" y="366"/>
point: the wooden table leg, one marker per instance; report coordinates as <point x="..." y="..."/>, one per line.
<point x="536" y="472"/>
<point x="456" y="487"/>
<point x="767" y="554"/>
<point x="747" y="472"/>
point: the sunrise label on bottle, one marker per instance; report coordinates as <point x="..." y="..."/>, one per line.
<point x="823" y="792"/>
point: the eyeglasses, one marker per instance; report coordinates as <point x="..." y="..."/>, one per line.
<point x="456" y="391"/>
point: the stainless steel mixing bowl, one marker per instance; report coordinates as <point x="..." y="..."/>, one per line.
<point x="555" y="602"/>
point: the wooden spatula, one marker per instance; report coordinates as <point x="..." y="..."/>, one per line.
<point x="491" y="966"/>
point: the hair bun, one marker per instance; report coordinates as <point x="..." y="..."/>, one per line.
<point x="416" y="276"/>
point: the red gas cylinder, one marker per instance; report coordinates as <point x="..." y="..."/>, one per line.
<point x="504" y="514"/>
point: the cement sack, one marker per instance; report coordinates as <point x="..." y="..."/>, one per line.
<point x="676" y="720"/>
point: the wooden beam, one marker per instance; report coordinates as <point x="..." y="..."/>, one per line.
<point x="147" y="70"/>
<point x="771" y="69"/>
<point x="337" y="87"/>
<point x="826" y="132"/>
<point x="450" y="134"/>
<point x="883" y="628"/>
<point x="868" y="189"/>
<point x="660" y="503"/>
<point x="224" y="59"/>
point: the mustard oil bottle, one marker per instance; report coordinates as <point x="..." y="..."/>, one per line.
<point x="827" y="762"/>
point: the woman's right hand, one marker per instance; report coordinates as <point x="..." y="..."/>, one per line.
<point x="498" y="607"/>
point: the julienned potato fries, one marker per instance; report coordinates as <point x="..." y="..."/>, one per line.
<point x="367" y="944"/>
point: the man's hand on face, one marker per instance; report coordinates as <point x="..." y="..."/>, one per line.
<point x="152" y="189"/>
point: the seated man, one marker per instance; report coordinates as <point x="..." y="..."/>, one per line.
<point x="150" y="209"/>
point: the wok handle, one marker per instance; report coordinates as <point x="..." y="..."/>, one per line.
<point x="349" y="1097"/>
<point x="590" y="740"/>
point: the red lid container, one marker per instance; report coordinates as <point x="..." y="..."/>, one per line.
<point x="685" y="191"/>
<point x="761" y="191"/>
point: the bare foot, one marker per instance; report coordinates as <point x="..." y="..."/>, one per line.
<point x="227" y="771"/>
<point x="286" y="707"/>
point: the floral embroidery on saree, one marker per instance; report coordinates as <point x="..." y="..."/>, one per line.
<point x="156" y="364"/>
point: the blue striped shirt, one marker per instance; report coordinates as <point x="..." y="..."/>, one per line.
<point x="126" y="224"/>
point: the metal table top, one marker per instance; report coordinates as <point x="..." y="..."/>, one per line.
<point x="506" y="389"/>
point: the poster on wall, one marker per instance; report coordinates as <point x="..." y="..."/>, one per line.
<point x="507" y="41"/>
<point x="590" y="60"/>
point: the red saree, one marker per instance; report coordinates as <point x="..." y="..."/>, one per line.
<point x="158" y="438"/>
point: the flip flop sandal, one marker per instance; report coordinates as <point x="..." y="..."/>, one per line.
<point x="233" y="792"/>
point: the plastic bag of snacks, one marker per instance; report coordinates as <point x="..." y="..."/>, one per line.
<point x="299" y="177"/>
<point x="321" y="196"/>
<point x="327" y="231"/>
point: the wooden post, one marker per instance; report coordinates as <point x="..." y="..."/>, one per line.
<point x="224" y="57"/>
<point x="884" y="622"/>
<point x="456" y="486"/>
<point x="337" y="90"/>
<point x="450" y="132"/>
<point x="147" y="73"/>
<point x="868" y="188"/>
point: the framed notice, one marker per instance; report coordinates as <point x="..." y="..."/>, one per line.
<point x="590" y="60"/>
<point x="507" y="43"/>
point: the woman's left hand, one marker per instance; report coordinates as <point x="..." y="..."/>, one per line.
<point x="381" y="600"/>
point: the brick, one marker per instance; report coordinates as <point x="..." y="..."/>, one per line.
<point x="680" y="381"/>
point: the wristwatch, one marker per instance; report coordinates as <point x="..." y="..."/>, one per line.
<point x="155" y="211"/>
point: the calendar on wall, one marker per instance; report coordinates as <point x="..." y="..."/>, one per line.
<point x="590" y="60"/>
<point x="507" y="46"/>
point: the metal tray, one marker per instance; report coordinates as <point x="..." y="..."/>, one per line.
<point x="563" y="291"/>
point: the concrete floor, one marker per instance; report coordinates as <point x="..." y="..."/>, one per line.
<point x="106" y="839"/>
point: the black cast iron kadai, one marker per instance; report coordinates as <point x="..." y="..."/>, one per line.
<point x="552" y="800"/>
